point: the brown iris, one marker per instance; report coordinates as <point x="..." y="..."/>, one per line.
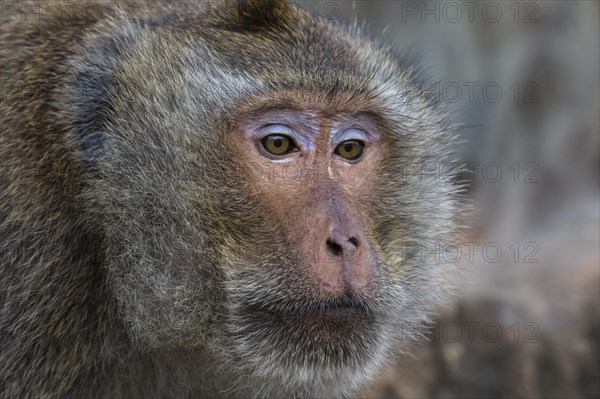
<point x="277" y="144"/>
<point x="350" y="150"/>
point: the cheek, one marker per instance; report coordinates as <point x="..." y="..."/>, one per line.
<point x="281" y="187"/>
<point x="257" y="172"/>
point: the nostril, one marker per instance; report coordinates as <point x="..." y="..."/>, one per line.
<point x="333" y="248"/>
<point x="354" y="241"/>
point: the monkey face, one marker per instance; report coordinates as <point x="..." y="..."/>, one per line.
<point x="318" y="287"/>
<point x="319" y="169"/>
<point x="319" y="283"/>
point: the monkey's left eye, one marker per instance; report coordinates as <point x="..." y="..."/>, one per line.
<point x="276" y="144"/>
<point x="351" y="149"/>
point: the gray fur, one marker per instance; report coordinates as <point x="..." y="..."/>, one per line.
<point x="127" y="235"/>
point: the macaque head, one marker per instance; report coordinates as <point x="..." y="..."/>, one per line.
<point x="259" y="187"/>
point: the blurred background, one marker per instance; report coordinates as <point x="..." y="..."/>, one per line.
<point x="524" y="80"/>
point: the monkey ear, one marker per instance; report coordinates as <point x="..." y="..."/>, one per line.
<point x="99" y="57"/>
<point x="256" y="14"/>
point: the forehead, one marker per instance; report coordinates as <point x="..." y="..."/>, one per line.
<point x="312" y="104"/>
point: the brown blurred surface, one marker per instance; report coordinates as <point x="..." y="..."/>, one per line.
<point x="548" y="315"/>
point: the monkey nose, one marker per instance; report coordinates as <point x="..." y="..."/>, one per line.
<point x="346" y="266"/>
<point x="341" y="245"/>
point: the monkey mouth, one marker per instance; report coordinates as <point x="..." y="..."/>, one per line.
<point x="335" y="334"/>
<point x="332" y="309"/>
<point x="331" y="332"/>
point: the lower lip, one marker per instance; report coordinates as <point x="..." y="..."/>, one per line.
<point x="330" y="314"/>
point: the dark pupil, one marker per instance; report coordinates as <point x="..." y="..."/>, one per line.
<point x="277" y="143"/>
<point x="348" y="147"/>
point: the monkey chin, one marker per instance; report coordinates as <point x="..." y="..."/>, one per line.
<point x="323" y="349"/>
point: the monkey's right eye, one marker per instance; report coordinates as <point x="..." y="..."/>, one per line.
<point x="278" y="145"/>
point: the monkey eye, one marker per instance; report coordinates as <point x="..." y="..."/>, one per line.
<point x="351" y="149"/>
<point x="276" y="144"/>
